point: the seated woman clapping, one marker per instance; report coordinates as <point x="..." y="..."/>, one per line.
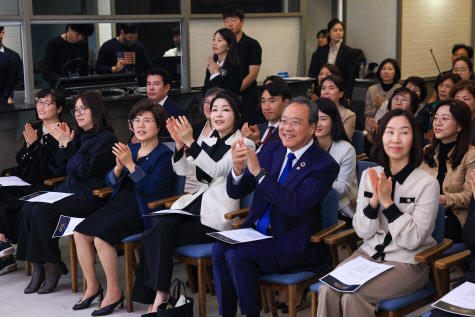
<point x="85" y="156"/>
<point x="396" y="211"/>
<point x="33" y="167"/>
<point x="211" y="162"/>
<point x="143" y="173"/>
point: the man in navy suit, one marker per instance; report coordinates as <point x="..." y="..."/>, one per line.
<point x="158" y="86"/>
<point x="273" y="100"/>
<point x="290" y="179"/>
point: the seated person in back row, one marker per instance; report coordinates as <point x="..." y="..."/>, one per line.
<point x="123" y="54"/>
<point x="273" y="100"/>
<point x="290" y="179"/>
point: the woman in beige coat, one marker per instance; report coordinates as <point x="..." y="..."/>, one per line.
<point x="450" y="158"/>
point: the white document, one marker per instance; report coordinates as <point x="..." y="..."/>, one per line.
<point x="239" y="236"/>
<point x="169" y="212"/>
<point x="460" y="300"/>
<point x="12" y="181"/>
<point x="66" y="226"/>
<point x="45" y="197"/>
<point x="351" y="275"/>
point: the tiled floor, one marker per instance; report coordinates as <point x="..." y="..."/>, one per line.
<point x="14" y="303"/>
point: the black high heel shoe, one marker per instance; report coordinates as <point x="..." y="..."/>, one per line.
<point x="285" y="309"/>
<point x="83" y="304"/>
<point x="110" y="308"/>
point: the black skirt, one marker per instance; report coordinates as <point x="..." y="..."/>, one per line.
<point x="118" y="219"/>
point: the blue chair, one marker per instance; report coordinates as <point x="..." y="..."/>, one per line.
<point x="357" y="141"/>
<point x="361" y="166"/>
<point x="200" y="255"/>
<point x="291" y="283"/>
<point x="403" y="305"/>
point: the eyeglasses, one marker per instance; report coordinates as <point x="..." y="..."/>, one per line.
<point x="293" y="123"/>
<point x="145" y="121"/>
<point x="463" y="69"/>
<point x="80" y="111"/>
<point x="441" y="120"/>
<point x="45" y="104"/>
<point x="400" y="99"/>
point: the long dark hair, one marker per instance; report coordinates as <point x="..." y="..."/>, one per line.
<point x="377" y="151"/>
<point x="462" y="114"/>
<point x="329" y="108"/>
<point x="232" y="58"/>
<point x="233" y="101"/>
<point x="100" y="117"/>
<point x="338" y="81"/>
<point x="401" y="91"/>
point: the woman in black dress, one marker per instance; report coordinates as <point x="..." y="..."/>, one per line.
<point x="32" y="159"/>
<point x="84" y="156"/>
<point x="224" y="69"/>
<point x="143" y="173"/>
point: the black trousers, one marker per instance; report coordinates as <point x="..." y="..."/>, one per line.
<point x="38" y="222"/>
<point x="156" y="258"/>
<point x="10" y="208"/>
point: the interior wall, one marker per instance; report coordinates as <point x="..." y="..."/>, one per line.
<point x="319" y="13"/>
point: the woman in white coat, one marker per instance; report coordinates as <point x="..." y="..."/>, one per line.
<point x="211" y="162"/>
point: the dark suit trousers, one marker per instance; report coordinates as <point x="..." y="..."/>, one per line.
<point x="236" y="270"/>
<point x="38" y="223"/>
<point x="156" y="258"/>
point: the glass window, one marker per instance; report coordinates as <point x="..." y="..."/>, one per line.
<point x="105" y="7"/>
<point x="250" y="6"/>
<point x="11" y="65"/>
<point x="9" y="7"/>
<point x="61" y="50"/>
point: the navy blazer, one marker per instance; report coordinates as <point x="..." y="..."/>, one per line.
<point x="84" y="161"/>
<point x="172" y="109"/>
<point x="295" y="215"/>
<point x="274" y="136"/>
<point x="153" y="177"/>
<point x="345" y="61"/>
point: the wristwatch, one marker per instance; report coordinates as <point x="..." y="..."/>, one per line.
<point x="258" y="144"/>
<point x="261" y="174"/>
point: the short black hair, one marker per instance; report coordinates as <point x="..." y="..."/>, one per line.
<point x="312" y="108"/>
<point x="233" y="11"/>
<point x="176" y="30"/>
<point x="166" y="78"/>
<point x="415" y="155"/>
<point x="275" y="80"/>
<point x="469" y="49"/>
<point x="323" y="31"/>
<point x="56" y="93"/>
<point x="276" y="89"/>
<point x="85" y="30"/>
<point x="129" y="28"/>
<point x="414" y="103"/>
<point x="420" y="83"/>
<point x="1" y="28"/>
<point x="332" y="23"/>
<point x="467" y="61"/>
<point x="159" y="113"/>
<point x="395" y="64"/>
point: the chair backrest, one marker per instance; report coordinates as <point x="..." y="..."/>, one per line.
<point x="329" y="209"/>
<point x="362" y="165"/>
<point x="427" y="141"/>
<point x="246" y="201"/>
<point x="357" y="141"/>
<point x="439" y="229"/>
<point x="178" y="184"/>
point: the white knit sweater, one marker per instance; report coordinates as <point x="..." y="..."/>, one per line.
<point x="410" y="224"/>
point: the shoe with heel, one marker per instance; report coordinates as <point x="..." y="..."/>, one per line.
<point x="285" y="309"/>
<point x="85" y="303"/>
<point x="109" y="308"/>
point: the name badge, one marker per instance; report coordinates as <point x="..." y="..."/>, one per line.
<point x="407" y="200"/>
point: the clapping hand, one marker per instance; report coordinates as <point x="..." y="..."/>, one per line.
<point x="30" y="135"/>
<point x="251" y="132"/>
<point x="385" y="190"/>
<point x="239" y="153"/>
<point x="171" y="129"/>
<point x="212" y="66"/>
<point x="123" y="155"/>
<point x="374" y="179"/>
<point x="62" y="133"/>
<point x="378" y="101"/>
<point x="184" y="130"/>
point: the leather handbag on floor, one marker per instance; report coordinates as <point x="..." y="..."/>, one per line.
<point x="177" y="305"/>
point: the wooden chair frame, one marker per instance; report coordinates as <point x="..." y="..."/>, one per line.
<point x="442" y="270"/>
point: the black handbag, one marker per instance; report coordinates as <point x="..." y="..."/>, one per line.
<point x="168" y="309"/>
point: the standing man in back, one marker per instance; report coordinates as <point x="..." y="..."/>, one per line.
<point x="250" y="57"/>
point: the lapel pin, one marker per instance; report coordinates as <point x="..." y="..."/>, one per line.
<point x="303" y="164"/>
<point x="298" y="167"/>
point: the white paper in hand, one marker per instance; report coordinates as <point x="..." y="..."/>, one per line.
<point x="461" y="300"/>
<point x="66" y="226"/>
<point x="45" y="197"/>
<point x="239" y="236"/>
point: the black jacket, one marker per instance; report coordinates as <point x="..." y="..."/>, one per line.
<point x="229" y="78"/>
<point x="345" y="61"/>
<point x="16" y="70"/>
<point x="33" y="161"/>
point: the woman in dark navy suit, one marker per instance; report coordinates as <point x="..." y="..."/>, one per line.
<point x="32" y="159"/>
<point x="143" y="173"/>
<point x="84" y="156"/>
